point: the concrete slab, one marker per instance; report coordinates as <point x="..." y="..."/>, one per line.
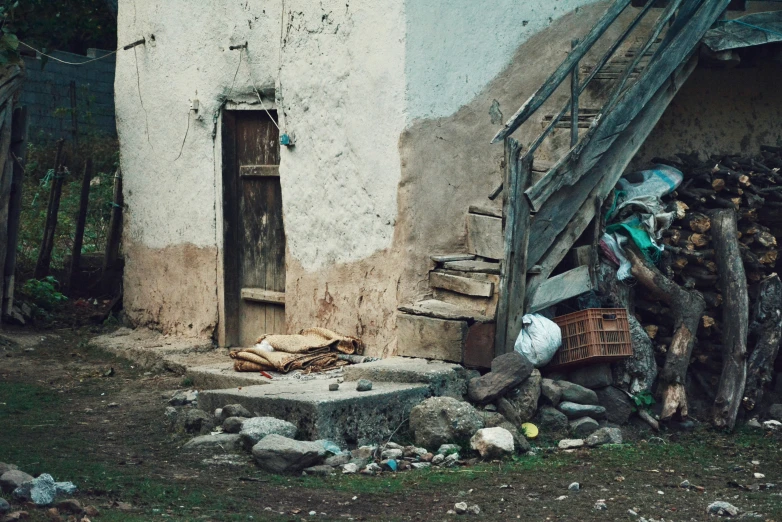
<point x="348" y="417"/>
<point x="443" y="379"/>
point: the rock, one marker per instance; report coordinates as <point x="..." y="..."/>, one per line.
<point x="7" y="467"/>
<point x="775" y="412"/>
<point x="617" y="404"/>
<point x="604" y="436"/>
<point x="364" y="452"/>
<point x="438" y="459"/>
<point x="507" y="372"/>
<point x="222" y="443"/>
<point x="364" y="385"/>
<point x="41" y="490"/>
<point x="447" y="449"/>
<point x="551" y="420"/>
<point x="493" y="443"/>
<point x="319" y="471"/>
<point x="16" y="515"/>
<point x="334" y="386"/>
<point x="772" y="425"/>
<point x="754" y="423"/>
<point x="65" y="488"/>
<point x="451" y="460"/>
<point x="427" y="457"/>
<point x="338" y="460"/>
<point x="685" y="484"/>
<point x="414" y="452"/>
<point x="460" y="508"/>
<point x="279" y="454"/>
<point x="440" y="420"/>
<point x="496" y="420"/>
<point x="172" y="417"/>
<point x="723" y="509"/>
<point x="234" y="410"/>
<point x="349" y="468"/>
<point x="575" y="486"/>
<point x="197" y="421"/>
<point x="601" y="505"/>
<point x="474" y="509"/>
<point x="70" y="505"/>
<point x="570" y="443"/>
<point x="233" y="424"/>
<point x="550" y="392"/>
<point x="574" y="393"/>
<point x="256" y="428"/>
<point x="576" y="411"/>
<point x="421" y="465"/>
<point x="520" y="404"/>
<point x="10" y="480"/>
<point x="372" y="468"/>
<point x="183" y="398"/>
<point x="593" y="376"/>
<point x="583" y="427"/>
<point x="392" y="454"/>
<point x="5" y="507"/>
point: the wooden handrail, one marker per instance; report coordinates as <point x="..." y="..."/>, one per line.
<point x="547" y="89"/>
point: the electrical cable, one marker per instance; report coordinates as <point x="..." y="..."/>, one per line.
<point x="66" y="62"/>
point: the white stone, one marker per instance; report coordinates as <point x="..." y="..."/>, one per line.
<point x="722" y="509"/>
<point x="460" y="508"/>
<point x="493" y="442"/>
<point x="349" y="468"/>
<point x="570" y="443"/>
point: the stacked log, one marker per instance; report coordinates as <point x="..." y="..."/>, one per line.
<point x="752" y="188"/>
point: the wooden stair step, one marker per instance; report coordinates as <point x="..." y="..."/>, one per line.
<point x="461" y="285"/>
<point x="445" y="258"/>
<point x="485" y="267"/>
<point x="442" y="310"/>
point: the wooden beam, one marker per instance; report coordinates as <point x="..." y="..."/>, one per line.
<point x="513" y="274"/>
<point x="18" y="152"/>
<point x="461" y="285"/>
<point x="547" y="89"/>
<point x="559" y="288"/>
<point x="259" y="295"/>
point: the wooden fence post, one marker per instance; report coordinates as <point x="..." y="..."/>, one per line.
<point x="81" y="221"/>
<point x="47" y="242"/>
<point x="18" y="150"/>
<point x="513" y="277"/>
<point x="114" y="237"/>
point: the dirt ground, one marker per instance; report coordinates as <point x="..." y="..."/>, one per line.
<point x="84" y="416"/>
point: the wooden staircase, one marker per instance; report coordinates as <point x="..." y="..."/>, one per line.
<point x="478" y="297"/>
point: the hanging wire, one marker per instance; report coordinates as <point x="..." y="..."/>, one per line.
<point x="66" y="62"/>
<point x="258" y="93"/>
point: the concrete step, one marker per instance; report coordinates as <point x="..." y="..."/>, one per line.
<point x="443" y="379"/>
<point x="347" y="417"/>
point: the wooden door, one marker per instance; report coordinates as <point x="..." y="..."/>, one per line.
<point x="254" y="247"/>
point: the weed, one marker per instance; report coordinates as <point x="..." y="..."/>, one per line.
<point x="187" y="382"/>
<point x="44" y="293"/>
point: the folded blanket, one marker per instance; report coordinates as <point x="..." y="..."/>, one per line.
<point x="314" y="349"/>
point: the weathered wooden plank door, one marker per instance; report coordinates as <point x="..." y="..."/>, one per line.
<point x="254" y="247"/>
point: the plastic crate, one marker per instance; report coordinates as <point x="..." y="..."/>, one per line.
<point x="593" y="335"/>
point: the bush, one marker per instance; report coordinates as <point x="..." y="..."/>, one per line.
<point x="44" y="293"/>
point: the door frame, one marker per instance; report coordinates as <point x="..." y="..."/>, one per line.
<point x="220" y="165"/>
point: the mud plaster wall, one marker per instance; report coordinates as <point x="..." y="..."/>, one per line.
<point x="721" y="111"/>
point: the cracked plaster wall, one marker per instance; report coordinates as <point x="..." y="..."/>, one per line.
<point x="390" y="105"/>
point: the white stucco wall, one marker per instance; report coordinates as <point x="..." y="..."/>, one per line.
<point x="454" y="48"/>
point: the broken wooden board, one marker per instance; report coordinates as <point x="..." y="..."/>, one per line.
<point x="559" y="288"/>
<point x="484" y="236"/>
<point x="485" y="267"/>
<point x="479" y="346"/>
<point x="429" y="338"/>
<point x="486" y="211"/>
<point x="445" y="258"/>
<point x="442" y="310"/>
<point x="461" y="285"/>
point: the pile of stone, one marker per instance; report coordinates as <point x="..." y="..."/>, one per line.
<point x="42" y="491"/>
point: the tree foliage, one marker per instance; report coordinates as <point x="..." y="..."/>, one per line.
<point x="65" y="25"/>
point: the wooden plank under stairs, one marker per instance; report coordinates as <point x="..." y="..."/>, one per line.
<point x="433" y="329"/>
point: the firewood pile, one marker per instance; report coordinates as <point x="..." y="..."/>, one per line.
<point x="695" y="251"/>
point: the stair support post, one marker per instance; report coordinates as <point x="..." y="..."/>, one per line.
<point x="575" y="90"/>
<point x="513" y="274"/>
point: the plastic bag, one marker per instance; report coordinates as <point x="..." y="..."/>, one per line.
<point x="539" y="339"/>
<point x="658" y="181"/>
